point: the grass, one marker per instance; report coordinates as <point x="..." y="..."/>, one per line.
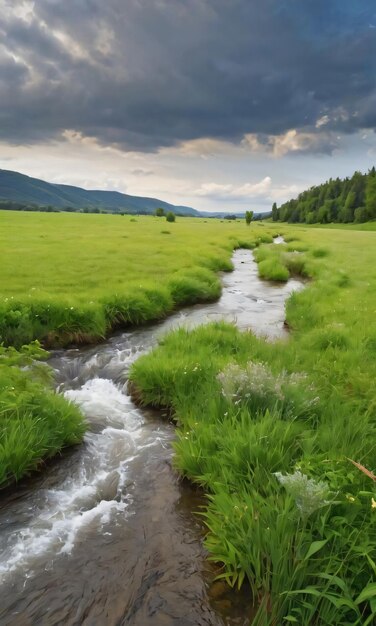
<point x="73" y="278"/>
<point x="279" y="263"/>
<point x="269" y="431"/>
<point x="35" y="422"/>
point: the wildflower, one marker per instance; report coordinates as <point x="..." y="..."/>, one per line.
<point x="308" y="494"/>
<point x="350" y="498"/>
<point x="257" y="381"/>
<point x="373" y="503"/>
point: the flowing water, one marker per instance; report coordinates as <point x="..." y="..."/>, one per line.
<point x="107" y="535"/>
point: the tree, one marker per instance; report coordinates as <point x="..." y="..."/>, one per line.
<point x="248" y="217"/>
<point x="371" y="195"/>
<point x="159" y="212"/>
<point x="170" y="217"/>
<point x="275" y="212"/>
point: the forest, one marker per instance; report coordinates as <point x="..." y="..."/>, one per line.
<point x="344" y="201"/>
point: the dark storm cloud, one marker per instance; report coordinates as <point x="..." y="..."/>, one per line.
<point x="142" y="74"/>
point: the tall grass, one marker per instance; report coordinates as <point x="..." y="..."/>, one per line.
<point x="268" y="430"/>
<point x="35" y="422"/>
<point x="280" y="262"/>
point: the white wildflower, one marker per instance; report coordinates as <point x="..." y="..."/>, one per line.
<point x="308" y="494"/>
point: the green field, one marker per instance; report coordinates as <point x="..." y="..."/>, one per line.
<point x="269" y="430"/>
<point x="76" y="277"/>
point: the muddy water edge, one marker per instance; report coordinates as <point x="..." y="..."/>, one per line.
<point x="108" y="535"/>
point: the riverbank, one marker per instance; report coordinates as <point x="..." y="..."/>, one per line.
<point x="271" y="430"/>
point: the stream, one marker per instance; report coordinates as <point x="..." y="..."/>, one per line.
<point x="106" y="535"/>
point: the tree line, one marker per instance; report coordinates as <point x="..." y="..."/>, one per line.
<point x="348" y="200"/>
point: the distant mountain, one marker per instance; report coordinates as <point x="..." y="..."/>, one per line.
<point x="18" y="191"/>
<point x="18" y="188"/>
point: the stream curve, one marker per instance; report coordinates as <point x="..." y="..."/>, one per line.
<point x="107" y="534"/>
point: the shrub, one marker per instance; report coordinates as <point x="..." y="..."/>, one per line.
<point x="170" y="217"/>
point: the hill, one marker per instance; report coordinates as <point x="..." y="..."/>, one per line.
<point x="348" y="200"/>
<point x="16" y="188"/>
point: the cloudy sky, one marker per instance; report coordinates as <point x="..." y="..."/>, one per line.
<point x="216" y="104"/>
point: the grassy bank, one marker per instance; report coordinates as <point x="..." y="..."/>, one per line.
<point x="73" y="278"/>
<point x="35" y="422"/>
<point x="271" y="430"/>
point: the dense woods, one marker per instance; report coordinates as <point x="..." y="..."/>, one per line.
<point x="349" y="200"/>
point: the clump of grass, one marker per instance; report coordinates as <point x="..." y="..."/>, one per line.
<point x="343" y="279"/>
<point x="35" y="422"/>
<point x="272" y="269"/>
<point x="319" y="253"/>
<point x="297" y="247"/>
<point x="278" y="262"/>
<point x="192" y="286"/>
<point x="264" y="238"/>
<point x="297" y="264"/>
<point x="165" y="232"/>
<point x="331" y="337"/>
<point x="57" y="323"/>
<point x="289" y="238"/>
<point x="244" y="243"/>
<point x="137" y="306"/>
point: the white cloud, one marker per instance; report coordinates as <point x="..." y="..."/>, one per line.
<point x="247" y="190"/>
<point x="263" y="191"/>
<point x="291" y="141"/>
<point x="203" y="147"/>
<point x="322" y="121"/>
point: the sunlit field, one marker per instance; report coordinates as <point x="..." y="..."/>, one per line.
<point x="75" y="277"/>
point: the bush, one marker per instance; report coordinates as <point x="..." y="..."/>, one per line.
<point x="170" y="217"/>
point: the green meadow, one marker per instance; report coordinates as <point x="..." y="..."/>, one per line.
<point x="74" y="278"/>
<point x="281" y="436"/>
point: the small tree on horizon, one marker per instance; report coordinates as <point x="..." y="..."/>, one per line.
<point x="248" y="217"/>
<point x="159" y="212"/>
<point x="170" y="217"/>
